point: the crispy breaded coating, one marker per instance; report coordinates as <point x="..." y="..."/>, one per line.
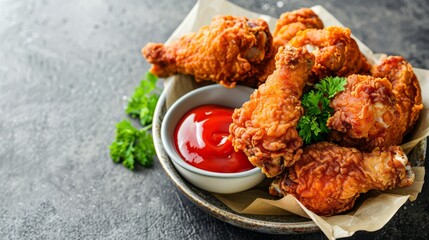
<point x="336" y="52"/>
<point x="406" y="88"/>
<point x="230" y="50"/>
<point x="287" y="26"/>
<point x="292" y="22"/>
<point x="265" y="126"/>
<point x="366" y="114"/>
<point x="328" y="178"/>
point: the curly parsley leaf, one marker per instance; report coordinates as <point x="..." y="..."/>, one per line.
<point x="131" y="145"/>
<point x="142" y="103"/>
<point x="311" y="102"/>
<point x="330" y="86"/>
<point x="312" y="125"/>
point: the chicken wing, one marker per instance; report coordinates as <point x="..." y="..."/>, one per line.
<point x="406" y="88"/>
<point x="366" y="114"/>
<point x="336" y="52"/>
<point x="229" y="50"/>
<point x="292" y="22"/>
<point x="265" y="126"/>
<point x="329" y="178"/>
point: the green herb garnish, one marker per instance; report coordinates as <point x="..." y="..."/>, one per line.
<point x="142" y="103"/>
<point x="312" y="125"/>
<point x="132" y="145"/>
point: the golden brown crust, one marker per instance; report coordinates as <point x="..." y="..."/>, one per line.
<point x="292" y="22"/>
<point x="265" y="126"/>
<point x="229" y="50"/>
<point x="366" y="114"/>
<point x="329" y="178"/>
<point x="405" y="86"/>
<point x="288" y="25"/>
<point x="337" y="53"/>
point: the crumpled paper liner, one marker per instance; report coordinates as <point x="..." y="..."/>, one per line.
<point x="374" y="209"/>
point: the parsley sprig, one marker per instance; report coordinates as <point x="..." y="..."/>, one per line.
<point x="312" y="125"/>
<point x="143" y="102"/>
<point x="132" y="145"/>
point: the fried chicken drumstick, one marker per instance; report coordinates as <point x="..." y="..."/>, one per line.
<point x="366" y="114"/>
<point x="265" y="126"/>
<point x="329" y="178"/>
<point x="337" y="53"/>
<point x="288" y="25"/>
<point x="292" y="22"/>
<point x="229" y="50"/>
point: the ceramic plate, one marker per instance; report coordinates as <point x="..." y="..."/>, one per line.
<point x="206" y="201"/>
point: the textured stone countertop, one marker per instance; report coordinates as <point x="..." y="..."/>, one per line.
<point x="65" y="67"/>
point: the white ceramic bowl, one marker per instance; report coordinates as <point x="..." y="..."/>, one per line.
<point x="211" y="181"/>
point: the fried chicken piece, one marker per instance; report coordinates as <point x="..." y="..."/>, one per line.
<point x="292" y="22"/>
<point x="406" y="88"/>
<point x="229" y="50"/>
<point x="366" y="114"/>
<point x="328" y="178"/>
<point x="286" y="28"/>
<point x="265" y="126"/>
<point x="337" y="53"/>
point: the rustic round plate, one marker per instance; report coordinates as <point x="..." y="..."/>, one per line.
<point x="205" y="200"/>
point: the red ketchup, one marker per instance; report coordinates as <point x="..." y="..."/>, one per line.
<point x="201" y="138"/>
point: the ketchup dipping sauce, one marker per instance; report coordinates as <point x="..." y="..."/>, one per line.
<point x="201" y="138"/>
